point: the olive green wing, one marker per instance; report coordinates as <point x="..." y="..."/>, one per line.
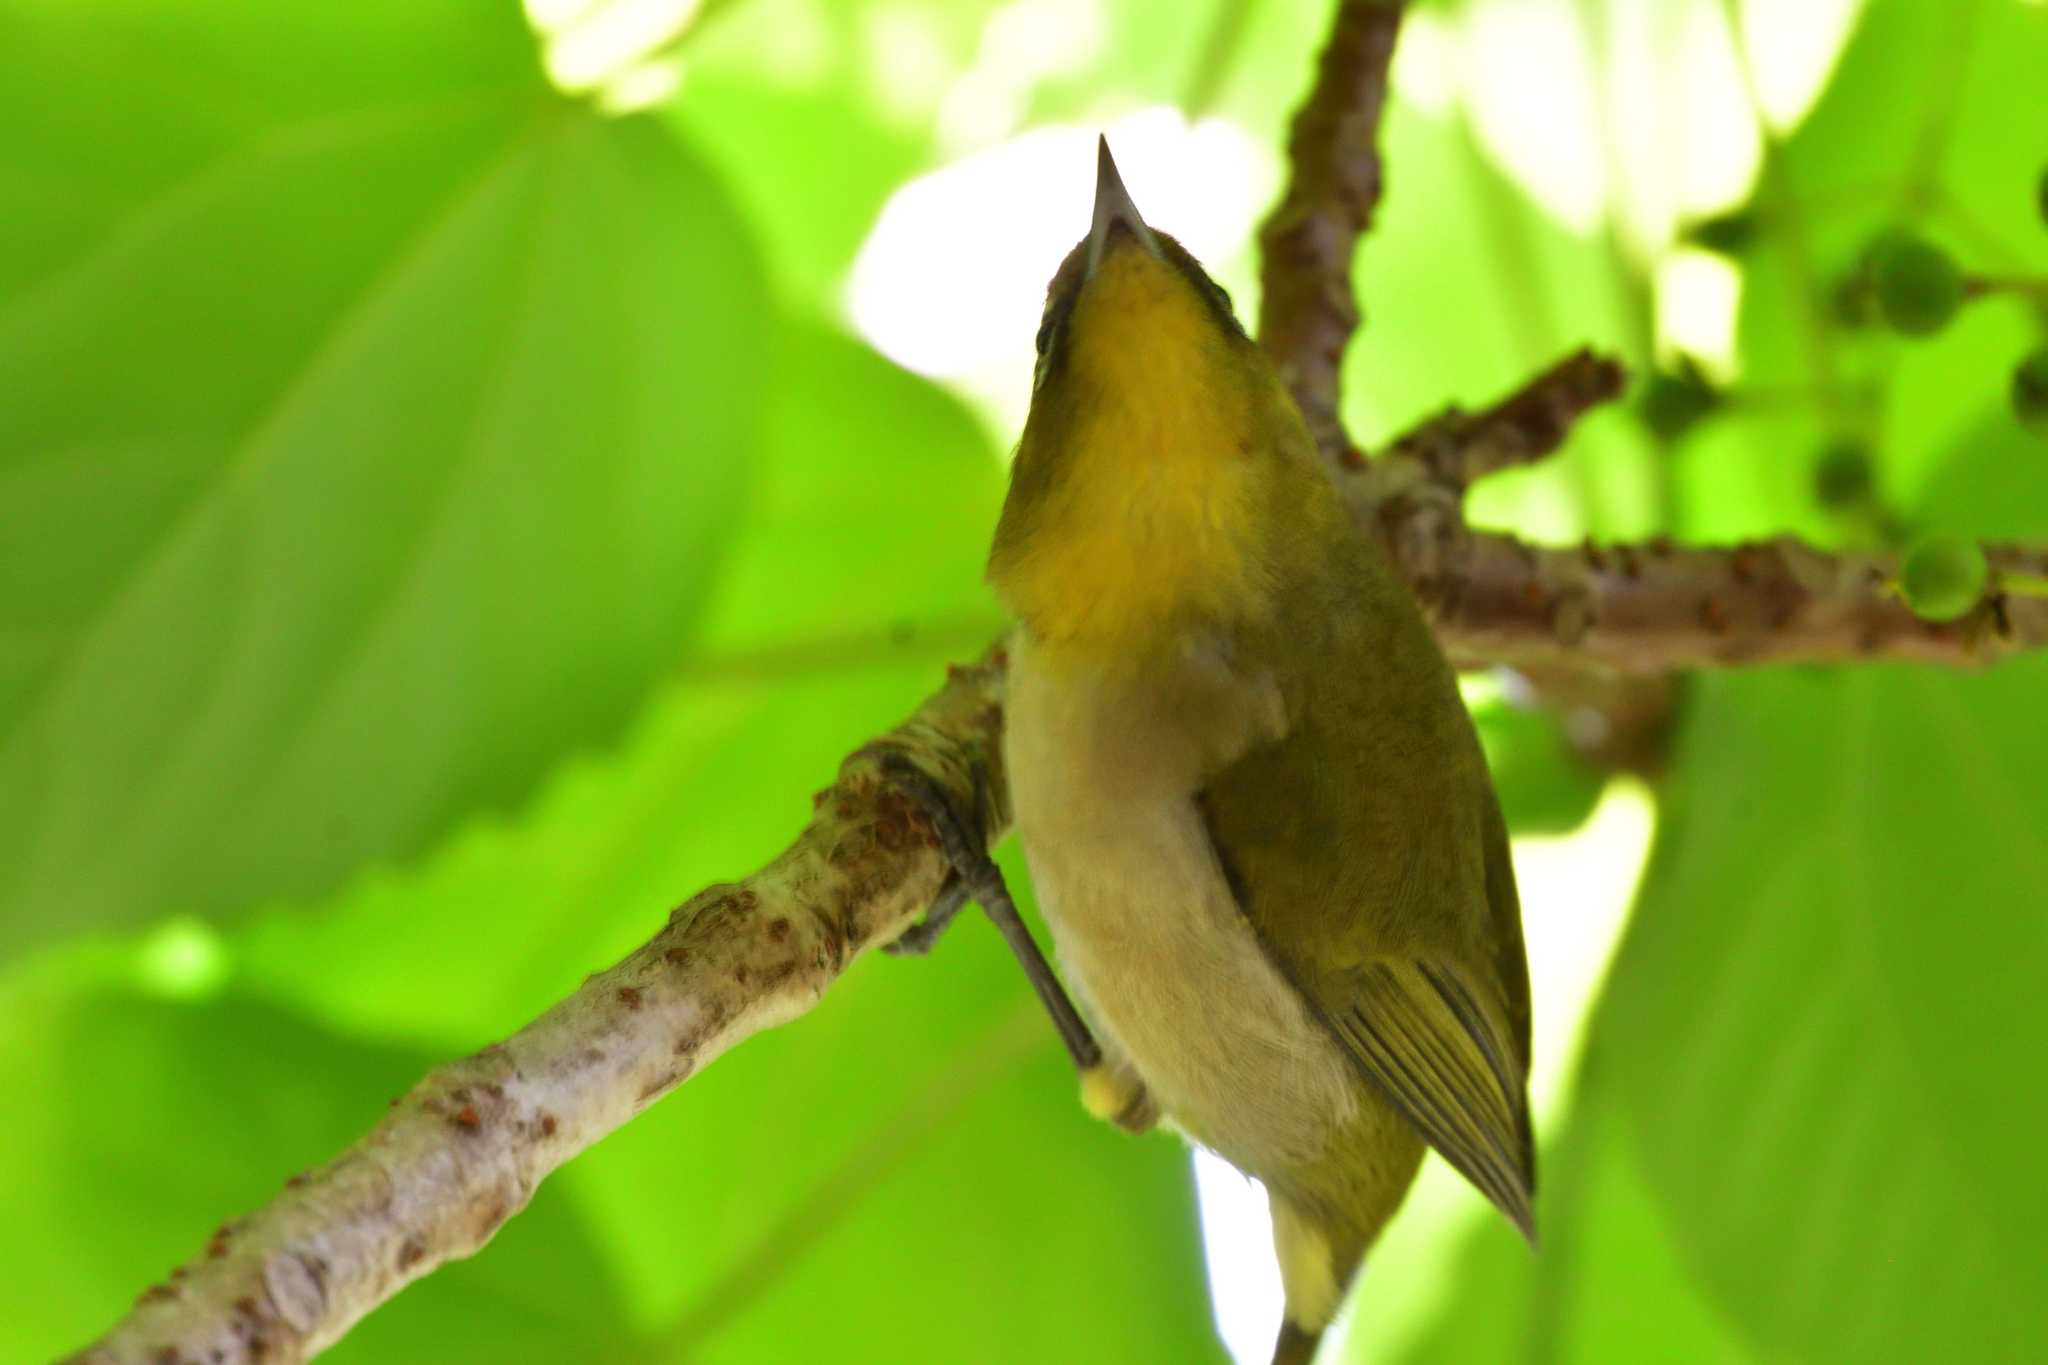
<point x="1448" y="1042"/>
<point x="1426" y="1035"/>
<point x="1445" y="1038"/>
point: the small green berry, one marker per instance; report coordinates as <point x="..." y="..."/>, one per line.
<point x="1673" y="401"/>
<point x="1727" y="234"/>
<point x="1918" y="285"/>
<point x="2030" y="392"/>
<point x="1855" y="302"/>
<point x="1943" y="576"/>
<point x="1843" y="476"/>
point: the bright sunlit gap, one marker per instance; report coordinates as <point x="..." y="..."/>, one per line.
<point x="1576" y="891"/>
<point x="183" y="958"/>
<point x="951" y="281"/>
<point x="1699" y="295"/>
<point x="609" y="50"/>
<point x="1792" y="51"/>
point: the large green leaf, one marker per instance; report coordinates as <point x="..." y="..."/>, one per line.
<point x="854" y="576"/>
<point x="141" y="1124"/>
<point x="1606" y="1285"/>
<point x="1827" y="1012"/>
<point x="374" y="420"/>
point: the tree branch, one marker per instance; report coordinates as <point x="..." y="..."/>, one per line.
<point x="1650" y="608"/>
<point x="1456" y="448"/>
<point x="1307" y="310"/>
<point x="464" y="1150"/>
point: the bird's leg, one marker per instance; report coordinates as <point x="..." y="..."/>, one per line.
<point x="976" y="877"/>
<point x="918" y="939"/>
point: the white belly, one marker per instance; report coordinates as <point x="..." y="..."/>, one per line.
<point x="1147" y="930"/>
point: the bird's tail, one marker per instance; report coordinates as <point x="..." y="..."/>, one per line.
<point x="1296" y="1346"/>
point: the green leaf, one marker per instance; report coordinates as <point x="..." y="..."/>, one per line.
<point x="151" y="1122"/>
<point x="775" y="75"/>
<point x="855" y="575"/>
<point x="1545" y="786"/>
<point x="1823" y="1015"/>
<point x="1607" y="1284"/>
<point x="1455" y="239"/>
<point x="362" y="458"/>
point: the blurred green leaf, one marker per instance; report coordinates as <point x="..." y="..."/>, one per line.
<point x="1545" y="787"/>
<point x="360" y="460"/>
<point x="1829" y="997"/>
<point x="772" y="75"/>
<point x="853" y="578"/>
<point x="107" y="1078"/>
<point x="1606" y="1285"/>
<point x="1467" y="289"/>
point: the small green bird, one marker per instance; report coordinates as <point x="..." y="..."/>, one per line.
<point x="1253" y="805"/>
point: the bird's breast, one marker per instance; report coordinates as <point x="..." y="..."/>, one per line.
<point x="1103" y="777"/>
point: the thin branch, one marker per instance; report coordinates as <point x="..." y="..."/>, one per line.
<point x="1307" y="311"/>
<point x="464" y="1150"/>
<point x="1457" y="448"/>
<point x="1656" y="607"/>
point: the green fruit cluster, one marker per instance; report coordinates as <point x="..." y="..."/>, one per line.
<point x="1917" y="284"/>
<point x="2030" y="392"/>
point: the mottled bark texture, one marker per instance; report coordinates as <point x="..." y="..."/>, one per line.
<point x="465" y="1149"/>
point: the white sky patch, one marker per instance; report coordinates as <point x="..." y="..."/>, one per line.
<point x="1699" y="298"/>
<point x="1425" y="69"/>
<point x="1576" y="892"/>
<point x="1528" y="82"/>
<point x="1237" y="1246"/>
<point x="1720" y="145"/>
<point x="589" y="45"/>
<point x="1792" y="51"/>
<point x="951" y="281"/>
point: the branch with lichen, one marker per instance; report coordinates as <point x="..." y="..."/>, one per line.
<point x="464" y="1150"/>
<point x="1655" y="607"/>
<point x="1307" y="308"/>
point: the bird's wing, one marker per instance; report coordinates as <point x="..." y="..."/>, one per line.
<point x="1425" y="1033"/>
<point x="1445" y="1039"/>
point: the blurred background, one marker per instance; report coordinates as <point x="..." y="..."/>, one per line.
<point x="467" y="475"/>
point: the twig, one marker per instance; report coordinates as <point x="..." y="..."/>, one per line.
<point x="464" y="1150"/>
<point x="1650" y="608"/>
<point x="1306" y="309"/>
<point x="1457" y="448"/>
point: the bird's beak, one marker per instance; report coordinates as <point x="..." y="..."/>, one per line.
<point x="1113" y="206"/>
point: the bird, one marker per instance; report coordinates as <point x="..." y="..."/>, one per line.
<point x="1253" y="806"/>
